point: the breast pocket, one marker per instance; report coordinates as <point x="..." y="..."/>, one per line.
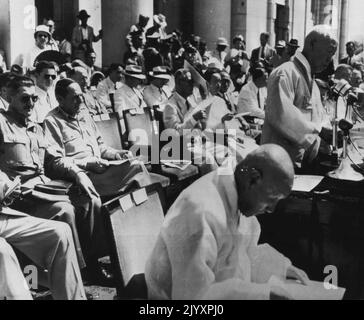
<point x="15" y="150"/>
<point x="72" y="142"/>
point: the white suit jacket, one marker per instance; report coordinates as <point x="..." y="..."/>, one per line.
<point x="176" y="116"/>
<point x="207" y="250"/>
<point x="154" y="97"/>
<point x="294" y="116"/>
<point x="127" y="98"/>
<point x="248" y="100"/>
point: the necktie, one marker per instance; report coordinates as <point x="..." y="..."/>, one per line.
<point x="258" y="97"/>
<point x="262" y="54"/>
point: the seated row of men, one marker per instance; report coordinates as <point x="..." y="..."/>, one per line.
<point x="68" y="148"/>
<point x="69" y="145"/>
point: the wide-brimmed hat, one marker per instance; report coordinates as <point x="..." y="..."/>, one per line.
<point x="42" y="28"/>
<point x="135" y="72"/>
<point x="215" y="65"/>
<point x="238" y="37"/>
<point x="281" y="44"/>
<point x="83" y="14"/>
<point x="155" y="35"/>
<point x="160" y="19"/>
<point x="222" y="42"/>
<point x="293" y="43"/>
<point x="160" y="73"/>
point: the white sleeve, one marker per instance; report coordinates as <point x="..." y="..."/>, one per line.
<point x="102" y="95"/>
<point x="247" y="103"/>
<point x="193" y="253"/>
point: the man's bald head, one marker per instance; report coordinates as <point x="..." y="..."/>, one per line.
<point x="320" y="46"/>
<point x="263" y="178"/>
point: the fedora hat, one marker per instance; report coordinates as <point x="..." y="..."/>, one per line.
<point x="281" y="44"/>
<point x="215" y="65"/>
<point x="160" y="19"/>
<point x="42" y="28"/>
<point x="135" y="72"/>
<point x="83" y="14"/>
<point x="222" y="42"/>
<point x="293" y="43"/>
<point x="160" y="73"/>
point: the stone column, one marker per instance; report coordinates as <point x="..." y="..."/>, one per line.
<point x="238" y="17"/>
<point x="344" y="27"/>
<point x="17" y="24"/>
<point x="271" y="14"/>
<point x="212" y="19"/>
<point x="117" y="18"/>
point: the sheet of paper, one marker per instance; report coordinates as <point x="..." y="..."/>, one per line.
<point x="15" y="184"/>
<point x="120" y="162"/>
<point x="105" y="117"/>
<point x="306" y="183"/>
<point x="140" y="197"/>
<point x="126" y="203"/>
<point x="313" y="291"/>
<point x="197" y="78"/>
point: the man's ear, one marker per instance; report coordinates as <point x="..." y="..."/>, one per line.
<point x="255" y="177"/>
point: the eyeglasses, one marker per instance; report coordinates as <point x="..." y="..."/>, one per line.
<point x="50" y="76"/>
<point x="27" y="99"/>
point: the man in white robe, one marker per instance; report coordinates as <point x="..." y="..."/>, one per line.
<point x="294" y="114"/>
<point x="208" y="246"/>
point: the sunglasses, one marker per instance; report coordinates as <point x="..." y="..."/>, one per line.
<point x="27" y="99"/>
<point x="50" y="76"/>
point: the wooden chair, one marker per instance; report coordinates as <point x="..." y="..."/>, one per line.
<point x="134" y="221"/>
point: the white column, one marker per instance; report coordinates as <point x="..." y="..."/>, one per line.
<point x="344" y="27"/>
<point x="238" y="18"/>
<point x="17" y="24"/>
<point x="117" y="18"/>
<point x="212" y="19"/>
<point x="271" y="15"/>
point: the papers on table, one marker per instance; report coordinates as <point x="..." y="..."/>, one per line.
<point x="178" y="164"/>
<point x="313" y="291"/>
<point x="306" y="183"/>
<point x="120" y="162"/>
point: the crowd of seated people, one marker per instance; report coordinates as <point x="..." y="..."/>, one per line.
<point x="48" y="133"/>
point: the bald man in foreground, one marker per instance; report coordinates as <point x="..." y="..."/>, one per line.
<point x="208" y="247"/>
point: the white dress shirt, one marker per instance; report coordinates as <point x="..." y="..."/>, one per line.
<point x="46" y="103"/>
<point x="104" y="89"/>
<point x="250" y="101"/>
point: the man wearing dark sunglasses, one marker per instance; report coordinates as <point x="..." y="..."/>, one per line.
<point x="25" y="152"/>
<point x="45" y="75"/>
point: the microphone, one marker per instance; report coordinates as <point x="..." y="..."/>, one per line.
<point x="339" y="88"/>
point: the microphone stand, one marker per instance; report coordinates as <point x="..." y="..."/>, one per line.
<point x="345" y="170"/>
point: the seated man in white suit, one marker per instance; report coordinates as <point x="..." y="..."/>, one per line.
<point x="208" y="247"/>
<point x="48" y="244"/>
